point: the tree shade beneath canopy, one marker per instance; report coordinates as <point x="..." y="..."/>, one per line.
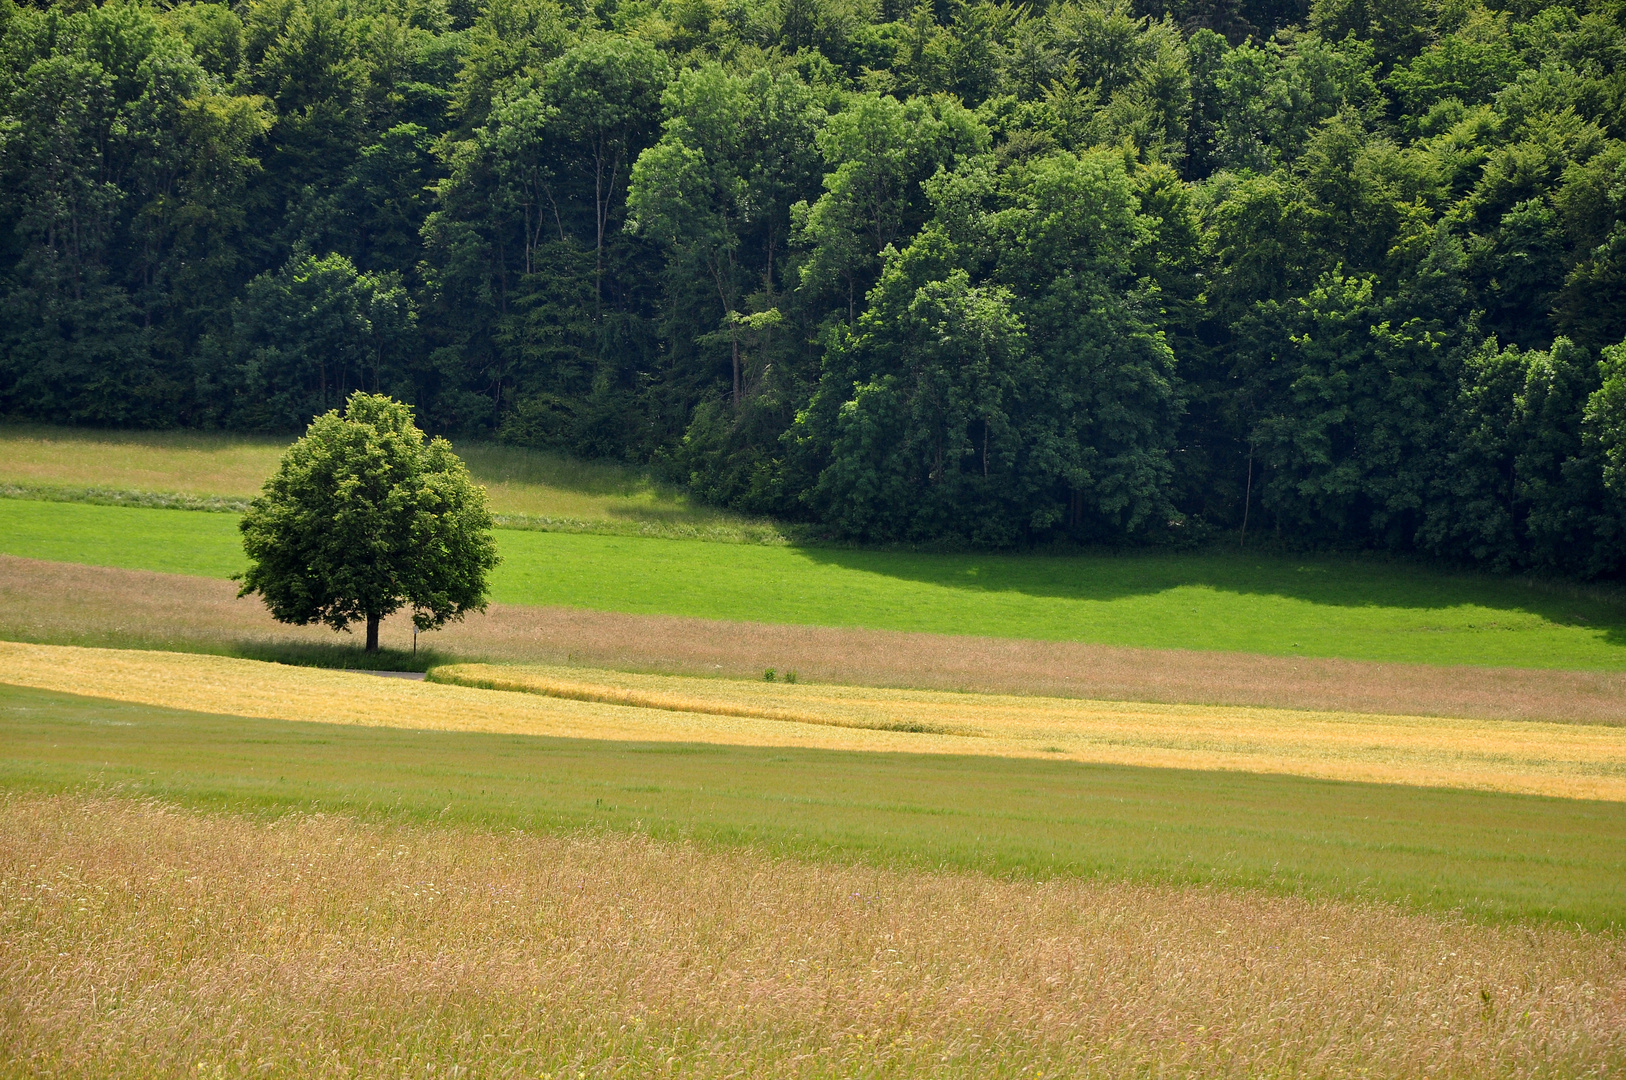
<point x="363" y="517"/>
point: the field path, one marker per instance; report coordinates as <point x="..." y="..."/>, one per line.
<point x="1566" y="760"/>
<point x="54" y="601"/>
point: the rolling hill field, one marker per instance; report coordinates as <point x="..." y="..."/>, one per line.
<point x="1248" y="807"/>
<point x="1312" y="606"/>
<point x="1290" y="846"/>
<point x="442" y="873"/>
<point x="972" y="541"/>
<point x="303" y="942"/>
<point x="1363" y="608"/>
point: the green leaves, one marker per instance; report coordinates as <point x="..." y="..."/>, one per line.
<point x="1154" y="256"/>
<point x="302" y="338"/>
<point x="364" y="517"/>
<point x="1001" y="388"/>
<point x="878" y="153"/>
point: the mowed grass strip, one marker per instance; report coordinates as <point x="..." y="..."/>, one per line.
<point x="1487" y="854"/>
<point x="1566" y="760"/>
<point x="131" y="538"/>
<point x="144" y="940"/>
<point x="1323" y="606"/>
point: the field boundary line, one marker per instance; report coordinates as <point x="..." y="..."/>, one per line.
<point x="451" y="675"/>
<point x="150" y="500"/>
<point x="74" y="603"/>
<point x="1563" y="760"/>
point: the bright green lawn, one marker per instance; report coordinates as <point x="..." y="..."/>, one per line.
<point x="1490" y="854"/>
<point x="1359" y="608"/>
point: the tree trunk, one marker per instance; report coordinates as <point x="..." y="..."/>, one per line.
<point x="1247" y="500"/>
<point x="598" y="225"/>
<point x="734" y="334"/>
<point x="372" y="633"/>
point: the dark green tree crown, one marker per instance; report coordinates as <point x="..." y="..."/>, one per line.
<point x="365" y="516"/>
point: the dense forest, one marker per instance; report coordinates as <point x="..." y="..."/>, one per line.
<point x="1349" y="273"/>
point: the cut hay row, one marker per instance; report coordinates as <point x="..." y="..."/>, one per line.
<point x="139" y="940"/>
<point x="97" y="605"/>
<point x="1573" y="761"/>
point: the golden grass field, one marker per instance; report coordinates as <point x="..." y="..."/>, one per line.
<point x="141" y="940"/>
<point x="1568" y="760"/>
<point x="193" y="464"/>
<point x="138" y="938"/>
<point x="109" y="606"/>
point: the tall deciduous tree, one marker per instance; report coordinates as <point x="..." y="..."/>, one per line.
<point x="716" y="190"/>
<point x="877" y="152"/>
<point x="1005" y="381"/>
<point x="365" y="517"/>
<point x="605" y="94"/>
<point x="303" y="338"/>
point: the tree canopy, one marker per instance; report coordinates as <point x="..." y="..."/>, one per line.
<point x="970" y="271"/>
<point x="363" y="517"/>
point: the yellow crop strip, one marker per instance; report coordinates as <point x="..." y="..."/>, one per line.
<point x="1575" y="761"/>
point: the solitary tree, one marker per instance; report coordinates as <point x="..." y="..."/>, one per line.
<point x="365" y="516"/>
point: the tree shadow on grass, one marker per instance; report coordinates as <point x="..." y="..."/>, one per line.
<point x="1342" y="581"/>
<point x="493" y="463"/>
<point x="338" y="655"/>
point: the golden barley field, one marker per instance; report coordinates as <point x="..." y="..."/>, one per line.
<point x="141" y="940"/>
<point x="1570" y="760"/>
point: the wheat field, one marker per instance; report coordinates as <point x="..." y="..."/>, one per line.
<point x="141" y="940"/>
<point x="1576" y="761"/>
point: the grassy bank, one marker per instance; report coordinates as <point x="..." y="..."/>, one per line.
<point x="1493" y="855"/>
<point x="194" y="470"/>
<point x="1323" y="606"/>
<point x="63" y="603"/>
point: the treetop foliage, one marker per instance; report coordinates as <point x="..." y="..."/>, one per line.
<point x="365" y="516"/>
<point x="1353" y="271"/>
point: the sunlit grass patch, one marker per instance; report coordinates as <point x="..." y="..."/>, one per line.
<point x="1349" y="608"/>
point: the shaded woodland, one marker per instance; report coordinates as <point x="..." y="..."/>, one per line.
<point x="1352" y="274"/>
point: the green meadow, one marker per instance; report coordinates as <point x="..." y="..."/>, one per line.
<point x="1491" y="855"/>
<point x="1325" y="606"/>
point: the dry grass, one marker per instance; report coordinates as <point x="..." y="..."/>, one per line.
<point x="137" y="940"/>
<point x="1567" y="760"/>
<point x="51" y="601"/>
<point x="194" y="463"/>
<point x="526" y="487"/>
